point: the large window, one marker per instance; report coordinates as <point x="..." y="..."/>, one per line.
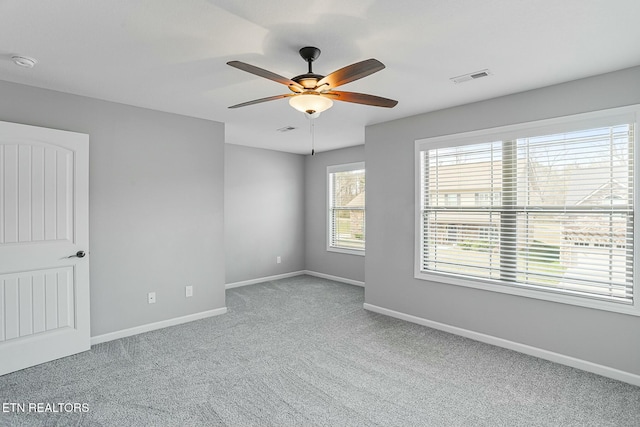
<point x="346" y="228"/>
<point x="543" y="210"/>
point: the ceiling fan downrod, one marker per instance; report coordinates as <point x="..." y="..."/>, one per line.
<point x="310" y="79"/>
<point x="309" y="54"/>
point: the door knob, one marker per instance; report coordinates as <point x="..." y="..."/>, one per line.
<point x="79" y="254"/>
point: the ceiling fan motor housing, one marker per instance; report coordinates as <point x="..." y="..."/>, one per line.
<point x="308" y="80"/>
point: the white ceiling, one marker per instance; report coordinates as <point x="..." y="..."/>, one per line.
<point x="171" y="55"/>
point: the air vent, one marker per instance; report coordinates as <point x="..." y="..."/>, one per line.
<point x="286" y="129"/>
<point x="471" y="76"/>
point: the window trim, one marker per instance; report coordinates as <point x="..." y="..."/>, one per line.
<point x="335" y="169"/>
<point x="522" y="130"/>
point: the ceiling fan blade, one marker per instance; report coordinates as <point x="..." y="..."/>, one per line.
<point x="361" y="98"/>
<point x="258" y="101"/>
<point x="263" y="73"/>
<point x="351" y="72"/>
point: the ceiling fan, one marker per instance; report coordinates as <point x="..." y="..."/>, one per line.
<point x="313" y="93"/>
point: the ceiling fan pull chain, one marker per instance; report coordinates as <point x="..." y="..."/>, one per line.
<point x="313" y="135"/>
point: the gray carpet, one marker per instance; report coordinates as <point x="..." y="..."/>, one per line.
<point x="303" y="352"/>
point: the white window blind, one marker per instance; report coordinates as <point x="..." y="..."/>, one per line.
<point x="553" y="212"/>
<point x="346" y="207"/>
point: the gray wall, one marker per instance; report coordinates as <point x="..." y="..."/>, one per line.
<point x="601" y="337"/>
<point x="317" y="258"/>
<point x="156" y="204"/>
<point x="264" y="213"/>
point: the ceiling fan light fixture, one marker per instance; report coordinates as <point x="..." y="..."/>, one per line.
<point x="310" y="103"/>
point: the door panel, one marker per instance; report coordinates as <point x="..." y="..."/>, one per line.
<point x="37" y="301"/>
<point x="44" y="293"/>
<point x="38" y="193"/>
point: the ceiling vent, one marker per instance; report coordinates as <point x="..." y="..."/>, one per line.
<point x="471" y="76"/>
<point x="286" y="129"/>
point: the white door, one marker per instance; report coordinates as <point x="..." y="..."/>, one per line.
<point x="44" y="219"/>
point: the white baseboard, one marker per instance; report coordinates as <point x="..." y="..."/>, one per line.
<point x="157" y="325"/>
<point x="263" y="279"/>
<point x="334" y="278"/>
<point x="584" y="365"/>
<point x="293" y="274"/>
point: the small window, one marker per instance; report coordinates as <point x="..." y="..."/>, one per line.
<point x="346" y="201"/>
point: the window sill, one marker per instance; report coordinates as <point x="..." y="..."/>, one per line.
<point x="359" y="252"/>
<point x="545" y="295"/>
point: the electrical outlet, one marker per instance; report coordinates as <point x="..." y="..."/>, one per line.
<point x="188" y="291"/>
<point x="151" y="297"/>
<point x="278" y="260"/>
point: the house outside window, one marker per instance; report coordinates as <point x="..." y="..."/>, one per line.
<point x="488" y="198"/>
<point x="346" y="208"/>
<point x="451" y="199"/>
<point x="546" y="210"/>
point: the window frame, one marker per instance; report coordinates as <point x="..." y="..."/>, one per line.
<point x="331" y="169"/>
<point x="630" y="114"/>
